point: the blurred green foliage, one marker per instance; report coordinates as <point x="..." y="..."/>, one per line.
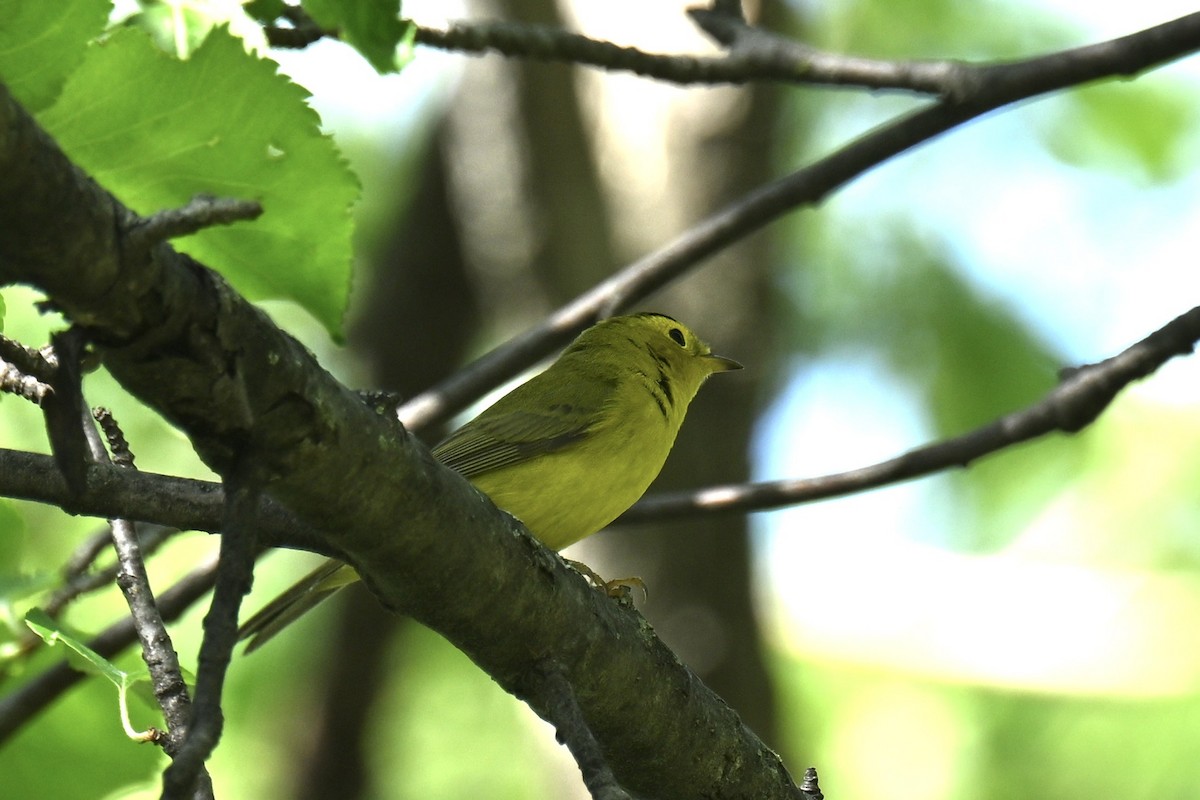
<point x="894" y="288"/>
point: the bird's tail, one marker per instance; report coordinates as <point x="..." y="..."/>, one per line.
<point x="276" y="615"/>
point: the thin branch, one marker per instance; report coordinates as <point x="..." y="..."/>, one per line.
<point x="118" y="446"/>
<point x="67" y="421"/>
<point x="13" y="381"/>
<point x="203" y="211"/>
<point x="1081" y="396"/>
<point x="182" y="503"/>
<point x="24" y="371"/>
<point x="562" y="710"/>
<point x="753" y="54"/>
<point x="769" y="55"/>
<point x="235" y="574"/>
<point x="809" y="786"/>
<point x="158" y="652"/>
<point x="996" y="86"/>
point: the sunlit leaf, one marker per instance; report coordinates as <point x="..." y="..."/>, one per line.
<point x="373" y="27"/>
<point x="84" y="658"/>
<point x="156" y="131"/>
<point x="41" y="42"/>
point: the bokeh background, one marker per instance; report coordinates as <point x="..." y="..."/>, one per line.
<point x="1025" y="627"/>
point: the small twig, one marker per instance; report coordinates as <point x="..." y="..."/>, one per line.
<point x="786" y="59"/>
<point x="13" y="381"/>
<point x="67" y="421"/>
<point x="234" y="577"/>
<point x="203" y="211"/>
<point x="122" y="456"/>
<point x="563" y="712"/>
<point x="1076" y="402"/>
<point x="758" y="56"/>
<point x="166" y="675"/>
<point x="24" y="371"/>
<point x="38" y="364"/>
<point x="809" y="785"/>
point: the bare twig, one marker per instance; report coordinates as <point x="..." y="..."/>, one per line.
<point x="122" y="456"/>
<point x="809" y="785"/>
<point x="234" y="576"/>
<point x="24" y="371"/>
<point x="203" y="211"/>
<point x="67" y="421"/>
<point x="158" y="652"/>
<point x="563" y="712"/>
<point x="765" y="55"/>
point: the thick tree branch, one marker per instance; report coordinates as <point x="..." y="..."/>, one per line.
<point x="176" y="336"/>
<point x="992" y="88"/>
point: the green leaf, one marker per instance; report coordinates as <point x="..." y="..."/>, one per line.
<point x="157" y="131"/>
<point x="265" y="11"/>
<point x="179" y="27"/>
<point x="42" y="41"/>
<point x="1125" y="128"/>
<point x="372" y="27"/>
<point x="178" y="30"/>
<point x="85" y="659"/>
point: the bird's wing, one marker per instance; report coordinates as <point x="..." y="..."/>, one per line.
<point x="498" y="440"/>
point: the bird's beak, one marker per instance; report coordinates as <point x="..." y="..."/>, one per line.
<point x="721" y="363"/>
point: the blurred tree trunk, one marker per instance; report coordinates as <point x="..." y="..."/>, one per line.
<point x="413" y="329"/>
<point x="698" y="572"/>
<point x="574" y="247"/>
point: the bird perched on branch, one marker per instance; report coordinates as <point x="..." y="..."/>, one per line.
<point x="565" y="452"/>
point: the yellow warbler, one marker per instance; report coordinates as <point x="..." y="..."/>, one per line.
<point x="567" y="451"/>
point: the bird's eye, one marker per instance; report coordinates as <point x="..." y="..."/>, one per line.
<point x="677" y="336"/>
